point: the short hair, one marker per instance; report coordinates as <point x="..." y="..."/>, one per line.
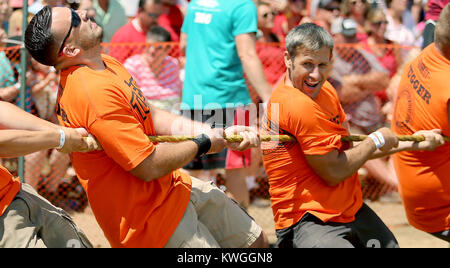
<point x="442" y="30"/>
<point x="142" y="3"/>
<point x="39" y="40"/>
<point x="308" y="36"/>
<point x="161" y="34"/>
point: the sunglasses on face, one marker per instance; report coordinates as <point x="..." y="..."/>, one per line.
<point x="331" y="8"/>
<point x="353" y="3"/>
<point x="75" y="22"/>
<point x="153" y="15"/>
<point x="273" y="13"/>
<point x="378" y="23"/>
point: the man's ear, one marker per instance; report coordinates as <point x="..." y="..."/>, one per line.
<point x="288" y="60"/>
<point x="71" y="51"/>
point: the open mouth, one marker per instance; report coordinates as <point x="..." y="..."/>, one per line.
<point x="311" y="85"/>
<point x="92" y="23"/>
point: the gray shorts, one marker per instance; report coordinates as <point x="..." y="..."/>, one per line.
<point x="444" y="235"/>
<point x="367" y="230"/>
<point x="212" y="220"/>
<point x="30" y="221"/>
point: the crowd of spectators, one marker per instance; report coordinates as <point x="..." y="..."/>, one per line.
<point x="372" y="39"/>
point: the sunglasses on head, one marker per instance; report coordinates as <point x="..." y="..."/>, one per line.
<point x="75" y="22"/>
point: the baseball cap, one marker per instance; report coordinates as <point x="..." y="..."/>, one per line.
<point x="345" y="26"/>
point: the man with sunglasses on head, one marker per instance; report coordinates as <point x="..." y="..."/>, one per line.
<point x="135" y="188"/>
<point x="136" y="30"/>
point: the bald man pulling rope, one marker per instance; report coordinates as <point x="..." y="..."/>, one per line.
<point x="139" y="196"/>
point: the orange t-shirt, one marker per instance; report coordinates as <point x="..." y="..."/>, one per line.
<point x="131" y="212"/>
<point x="9" y="187"/>
<point x="424" y="177"/>
<point x="295" y="188"/>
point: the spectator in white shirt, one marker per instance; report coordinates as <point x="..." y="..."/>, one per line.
<point x="396" y="31"/>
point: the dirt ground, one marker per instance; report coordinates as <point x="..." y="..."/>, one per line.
<point x="391" y="213"/>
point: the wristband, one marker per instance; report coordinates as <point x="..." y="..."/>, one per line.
<point x="204" y="144"/>
<point x="375" y="140"/>
<point x="380" y="138"/>
<point x="62" y="139"/>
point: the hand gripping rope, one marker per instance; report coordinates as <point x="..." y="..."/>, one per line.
<point x="283" y="138"/>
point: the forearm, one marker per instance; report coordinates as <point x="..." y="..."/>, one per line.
<point x="373" y="81"/>
<point x="351" y="160"/>
<point x="335" y="167"/>
<point x="253" y="69"/>
<point x="12" y="117"/>
<point x="39" y="86"/>
<point x="402" y="146"/>
<point x="167" y="123"/>
<point x="255" y="74"/>
<point x="183" y="43"/>
<point x="166" y="158"/>
<point x="15" y="143"/>
<point x="9" y="93"/>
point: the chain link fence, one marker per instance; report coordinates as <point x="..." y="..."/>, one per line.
<point x="364" y="76"/>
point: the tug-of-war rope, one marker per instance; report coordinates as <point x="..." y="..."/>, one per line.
<point x="283" y="138"/>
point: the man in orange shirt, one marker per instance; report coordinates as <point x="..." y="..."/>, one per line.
<point x="314" y="187"/>
<point x="139" y="196"/>
<point x="423" y="101"/>
<point x="26" y="218"/>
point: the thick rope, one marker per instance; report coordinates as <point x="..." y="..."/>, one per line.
<point x="283" y="138"/>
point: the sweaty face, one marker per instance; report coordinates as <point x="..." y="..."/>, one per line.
<point x="308" y="70"/>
